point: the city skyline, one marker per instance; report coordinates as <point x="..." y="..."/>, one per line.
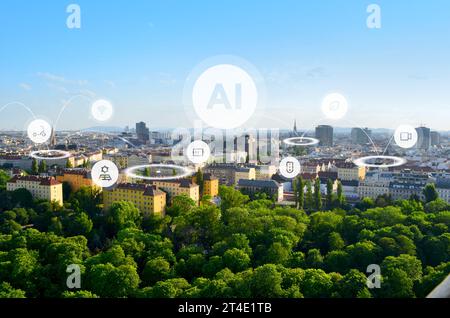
<point x="141" y="65"/>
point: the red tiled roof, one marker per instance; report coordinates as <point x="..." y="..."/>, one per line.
<point x="48" y="181"/>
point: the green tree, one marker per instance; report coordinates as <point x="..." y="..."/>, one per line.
<point x="7" y="291"/>
<point x="335" y="241"/>
<point x="295" y="191"/>
<point x="301" y="192"/>
<point x="337" y="261"/>
<point x="106" y="280"/>
<point x="340" y="194"/>
<point x="199" y="180"/>
<point x="181" y="204"/>
<point x="87" y="199"/>
<point x="317" y="195"/>
<point x="170" y="288"/>
<point x="42" y="166"/>
<point x="69" y="164"/>
<point x="231" y="198"/>
<point x="34" y="166"/>
<point x="266" y="282"/>
<point x="123" y="214"/>
<point x="199" y="226"/>
<point x="316" y="284"/>
<point x="22" y="197"/>
<point x="430" y="193"/>
<point x="236" y="260"/>
<point x="396" y="284"/>
<point x="329" y="198"/>
<point x="309" y="201"/>
<point x="407" y="263"/>
<point x="4" y="177"/>
<point x="67" y="190"/>
<point x="78" y="224"/>
<point x="155" y="270"/>
<point x="354" y="285"/>
<point x="314" y="259"/>
<point x="79" y="294"/>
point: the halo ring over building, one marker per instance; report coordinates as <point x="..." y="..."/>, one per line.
<point x="301" y="141"/>
<point x="180" y="172"/>
<point x="52" y="154"/>
<point x="379" y="161"/>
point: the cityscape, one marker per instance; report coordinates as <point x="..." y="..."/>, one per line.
<point x="240" y="163"/>
<point x="331" y="159"/>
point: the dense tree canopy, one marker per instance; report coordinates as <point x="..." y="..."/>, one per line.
<point x="241" y="248"/>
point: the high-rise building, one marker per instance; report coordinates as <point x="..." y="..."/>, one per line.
<point x="361" y="136"/>
<point x="435" y="138"/>
<point x="324" y="134"/>
<point x="142" y="132"/>
<point x="53" y="138"/>
<point x="424" y="138"/>
<point x="250" y="148"/>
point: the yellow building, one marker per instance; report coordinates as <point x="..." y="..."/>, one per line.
<point x="244" y="173"/>
<point x="46" y="188"/>
<point x="210" y="185"/>
<point x="147" y="198"/>
<point x="179" y="187"/>
<point x="230" y="174"/>
<point x="77" y="178"/>
<point x="349" y="171"/>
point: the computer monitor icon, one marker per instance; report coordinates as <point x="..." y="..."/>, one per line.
<point x="197" y="152"/>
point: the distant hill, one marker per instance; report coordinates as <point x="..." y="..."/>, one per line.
<point x="106" y="129"/>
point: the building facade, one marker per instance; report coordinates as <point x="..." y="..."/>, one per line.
<point x="324" y="134"/>
<point x="77" y="178"/>
<point x="147" y="198"/>
<point x="210" y="185"/>
<point x="270" y="187"/>
<point x="179" y="187"/>
<point x="45" y="188"/>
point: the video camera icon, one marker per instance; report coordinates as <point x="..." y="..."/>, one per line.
<point x="406" y="136"/>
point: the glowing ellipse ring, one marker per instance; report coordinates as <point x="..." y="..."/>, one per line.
<point x="297" y="141"/>
<point x="38" y="154"/>
<point x="362" y="162"/>
<point x="186" y="172"/>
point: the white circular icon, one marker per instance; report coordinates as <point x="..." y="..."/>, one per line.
<point x="102" y="110"/>
<point x="406" y="136"/>
<point x="334" y="106"/>
<point x="105" y="173"/>
<point x="289" y="167"/>
<point x="225" y="96"/>
<point x="39" y="131"/>
<point x="198" y="151"/>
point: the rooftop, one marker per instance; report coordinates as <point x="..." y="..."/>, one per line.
<point x="147" y="189"/>
<point x="48" y="181"/>
<point x="259" y="183"/>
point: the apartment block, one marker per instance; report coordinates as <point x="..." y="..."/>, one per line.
<point x="77" y="178"/>
<point x="147" y="198"/>
<point x="179" y="187"/>
<point x="45" y="188"/>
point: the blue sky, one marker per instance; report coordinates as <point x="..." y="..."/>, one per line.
<point x="138" y="54"/>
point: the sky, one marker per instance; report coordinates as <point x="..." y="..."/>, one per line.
<point x="138" y="55"/>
